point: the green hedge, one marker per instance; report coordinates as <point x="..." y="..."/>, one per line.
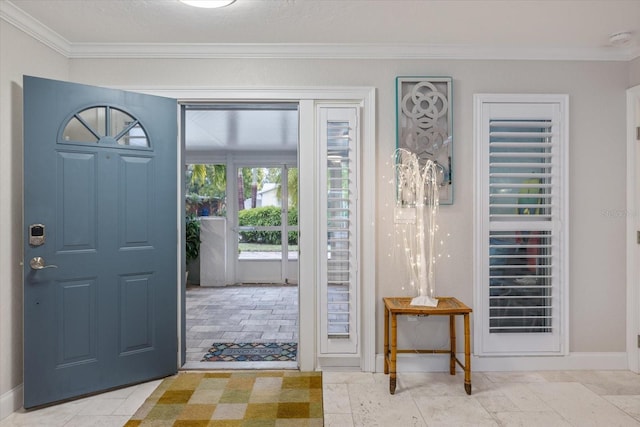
<point x="266" y="216"/>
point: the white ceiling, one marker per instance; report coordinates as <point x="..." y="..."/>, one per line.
<point x="465" y="29"/>
<point x="553" y="29"/>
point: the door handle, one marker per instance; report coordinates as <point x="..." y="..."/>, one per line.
<point x="38" y="263"/>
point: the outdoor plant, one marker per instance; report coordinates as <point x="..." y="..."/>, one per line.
<point x="266" y="216"/>
<point x="192" y="237"/>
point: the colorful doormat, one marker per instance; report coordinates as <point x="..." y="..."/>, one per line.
<point x="251" y="352"/>
<point x="235" y="399"/>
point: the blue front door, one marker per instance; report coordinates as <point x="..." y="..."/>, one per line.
<point x="100" y="249"/>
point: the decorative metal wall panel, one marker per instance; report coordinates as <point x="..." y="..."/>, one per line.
<point x="425" y="125"/>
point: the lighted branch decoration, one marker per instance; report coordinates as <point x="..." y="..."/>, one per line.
<point x="415" y="215"/>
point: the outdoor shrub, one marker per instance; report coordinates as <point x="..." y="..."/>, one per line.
<point x="266" y="216"/>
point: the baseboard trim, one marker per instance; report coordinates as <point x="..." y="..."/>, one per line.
<point x="10" y="402"/>
<point x="339" y="362"/>
<point x="571" y="362"/>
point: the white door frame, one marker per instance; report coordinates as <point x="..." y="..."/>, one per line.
<point x="633" y="227"/>
<point x="308" y="295"/>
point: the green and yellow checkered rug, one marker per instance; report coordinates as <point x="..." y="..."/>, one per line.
<point x="235" y="399"/>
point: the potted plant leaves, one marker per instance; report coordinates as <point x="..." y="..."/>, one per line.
<point x="192" y="238"/>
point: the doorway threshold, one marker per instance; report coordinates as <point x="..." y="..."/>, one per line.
<point x="214" y="366"/>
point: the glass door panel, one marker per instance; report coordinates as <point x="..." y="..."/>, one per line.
<point x="267" y="227"/>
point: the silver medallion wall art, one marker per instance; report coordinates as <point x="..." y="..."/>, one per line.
<point x="424" y="125"/>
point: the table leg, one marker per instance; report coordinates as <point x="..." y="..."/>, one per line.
<point x="386" y="339"/>
<point x="467" y="355"/>
<point x="452" y="338"/>
<point x="392" y="358"/>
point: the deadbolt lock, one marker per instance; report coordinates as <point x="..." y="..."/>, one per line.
<point x="36" y="234"/>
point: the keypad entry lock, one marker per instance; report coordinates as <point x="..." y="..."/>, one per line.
<point x="36" y="234"/>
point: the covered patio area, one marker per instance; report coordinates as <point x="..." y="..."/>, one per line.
<point x="259" y="313"/>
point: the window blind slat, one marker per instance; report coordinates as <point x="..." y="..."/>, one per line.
<point x="522" y="135"/>
<point x="546" y="124"/>
<point x="503" y="165"/>
<point x="516" y="175"/>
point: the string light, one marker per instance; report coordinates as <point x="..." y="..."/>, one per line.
<point x="417" y="189"/>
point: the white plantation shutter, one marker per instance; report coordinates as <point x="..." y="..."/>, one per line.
<point x="521" y="199"/>
<point x="338" y="137"/>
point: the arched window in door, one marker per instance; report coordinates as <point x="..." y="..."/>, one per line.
<point x="104" y="124"/>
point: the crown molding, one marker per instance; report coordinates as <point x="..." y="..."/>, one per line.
<point x="36" y="29"/>
<point x="345" y="51"/>
<point x="18" y="18"/>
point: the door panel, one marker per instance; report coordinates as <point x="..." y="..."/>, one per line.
<point x="99" y="175"/>
<point x="77" y="331"/>
<point x="76" y="194"/>
<point x="138" y="317"/>
<point x="268" y="253"/>
<point x="136" y="179"/>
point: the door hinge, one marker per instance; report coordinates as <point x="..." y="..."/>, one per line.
<point x="638" y="341"/>
<point x="638" y="133"/>
<point x="638" y="237"/>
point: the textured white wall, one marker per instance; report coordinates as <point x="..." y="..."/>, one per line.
<point x="634" y="72"/>
<point x="19" y="55"/>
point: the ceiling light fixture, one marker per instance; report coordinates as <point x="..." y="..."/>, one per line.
<point x="209" y="4"/>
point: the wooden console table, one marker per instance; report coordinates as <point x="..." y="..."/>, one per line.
<point x="447" y="306"/>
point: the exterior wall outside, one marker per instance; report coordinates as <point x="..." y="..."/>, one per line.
<point x="265" y="197"/>
<point x="634" y="72"/>
<point x="597" y="174"/>
<point x="19" y="54"/>
<point x="269" y="195"/>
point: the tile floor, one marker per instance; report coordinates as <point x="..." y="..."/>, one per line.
<point x="355" y="399"/>
<point x="111" y="409"/>
<point x="243" y="313"/>
<point x="545" y="399"/>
